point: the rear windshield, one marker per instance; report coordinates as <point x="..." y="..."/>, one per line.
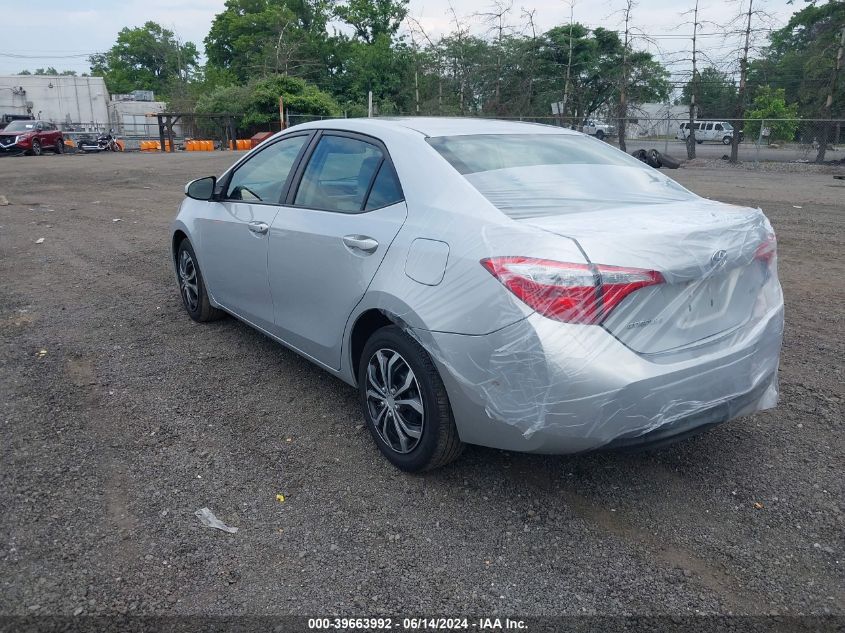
<point x="485" y="152"/>
<point x="535" y="175"/>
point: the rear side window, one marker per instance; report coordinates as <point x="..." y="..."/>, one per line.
<point x="386" y="189"/>
<point x="339" y="175"/>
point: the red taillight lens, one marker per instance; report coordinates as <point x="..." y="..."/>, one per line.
<point x="573" y="293"/>
<point x="767" y="250"/>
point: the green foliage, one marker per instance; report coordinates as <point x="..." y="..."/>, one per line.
<point x="373" y="19"/>
<point x="716" y="94"/>
<point x="769" y="105"/>
<point x="147" y="58"/>
<point x="259" y="37"/>
<point x="596" y="70"/>
<point x="50" y="70"/>
<point x="257" y="103"/>
<point x="801" y="56"/>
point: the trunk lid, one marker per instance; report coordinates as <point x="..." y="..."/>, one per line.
<point x="706" y="252"/>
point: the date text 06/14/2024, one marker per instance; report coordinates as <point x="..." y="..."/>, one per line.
<point x="417" y="624"/>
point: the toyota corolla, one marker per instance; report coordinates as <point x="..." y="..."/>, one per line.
<point x="511" y="285"/>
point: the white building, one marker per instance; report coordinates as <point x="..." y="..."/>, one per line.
<point x="130" y="118"/>
<point x="655" y="119"/>
<point x="67" y="101"/>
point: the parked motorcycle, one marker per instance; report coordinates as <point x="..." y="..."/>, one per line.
<point x="103" y="143"/>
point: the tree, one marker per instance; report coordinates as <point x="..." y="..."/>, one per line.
<point x="751" y="23"/>
<point x="716" y="93"/>
<point x="147" y="58"/>
<point x="49" y="71"/>
<point x="769" y="105"/>
<point x="257" y="103"/>
<point x="802" y="58"/>
<point x="596" y="61"/>
<point x="373" y="18"/>
<point x="373" y="59"/>
<point x="630" y="5"/>
<point x="262" y="37"/>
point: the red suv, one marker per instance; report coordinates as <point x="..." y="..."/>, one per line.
<point x="31" y="137"/>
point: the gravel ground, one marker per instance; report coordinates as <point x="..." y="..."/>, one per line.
<point x="121" y="417"/>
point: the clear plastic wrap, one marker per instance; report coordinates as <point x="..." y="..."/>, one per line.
<point x="676" y="324"/>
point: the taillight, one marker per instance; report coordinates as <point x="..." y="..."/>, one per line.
<point x="573" y="293"/>
<point x="767" y="250"/>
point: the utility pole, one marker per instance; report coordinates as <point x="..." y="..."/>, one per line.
<point x="828" y="104"/>
<point x="623" y="88"/>
<point x="743" y="76"/>
<point x="693" y="88"/>
<point x="568" y="63"/>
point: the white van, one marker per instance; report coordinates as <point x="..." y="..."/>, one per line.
<point x="707" y="131"/>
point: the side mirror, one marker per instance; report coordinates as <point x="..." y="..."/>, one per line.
<point x="201" y="188"/>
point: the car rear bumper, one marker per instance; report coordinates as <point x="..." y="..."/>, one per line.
<point x="547" y="387"/>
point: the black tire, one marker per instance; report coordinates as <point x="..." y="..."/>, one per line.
<point x="438" y="443"/>
<point x="60" y="146"/>
<point x="201" y="310"/>
<point x="699" y="142"/>
<point x="653" y="159"/>
<point x="36" y="148"/>
<point x="600" y="135"/>
<point x="726" y="140"/>
<point x="640" y="154"/>
<point x="667" y="161"/>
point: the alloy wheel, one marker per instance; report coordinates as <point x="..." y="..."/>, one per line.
<point x="188" y="281"/>
<point x="394" y="401"/>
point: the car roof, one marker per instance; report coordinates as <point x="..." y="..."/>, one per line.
<point x="439" y="126"/>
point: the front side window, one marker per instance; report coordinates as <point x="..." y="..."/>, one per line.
<point x="718" y="127"/>
<point x="262" y="177"/>
<point x="339" y="175"/>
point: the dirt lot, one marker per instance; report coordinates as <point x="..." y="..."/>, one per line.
<point x="133" y="417"/>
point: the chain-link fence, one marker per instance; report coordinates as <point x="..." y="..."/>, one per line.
<point x="759" y="140"/>
<point x="780" y="140"/>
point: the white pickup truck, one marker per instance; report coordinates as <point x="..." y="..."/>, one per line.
<point x="598" y="129"/>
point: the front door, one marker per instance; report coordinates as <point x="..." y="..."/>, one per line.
<point x="234" y="234"/>
<point x="327" y="244"/>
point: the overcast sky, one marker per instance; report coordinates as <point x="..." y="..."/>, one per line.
<point x="80" y="27"/>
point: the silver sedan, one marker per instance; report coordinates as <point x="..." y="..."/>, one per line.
<point x="512" y="285"/>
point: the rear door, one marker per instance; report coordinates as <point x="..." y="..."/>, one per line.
<point x="234" y="232"/>
<point x="328" y="241"/>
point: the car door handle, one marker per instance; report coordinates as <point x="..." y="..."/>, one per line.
<point x="258" y="227"/>
<point x="360" y="243"/>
